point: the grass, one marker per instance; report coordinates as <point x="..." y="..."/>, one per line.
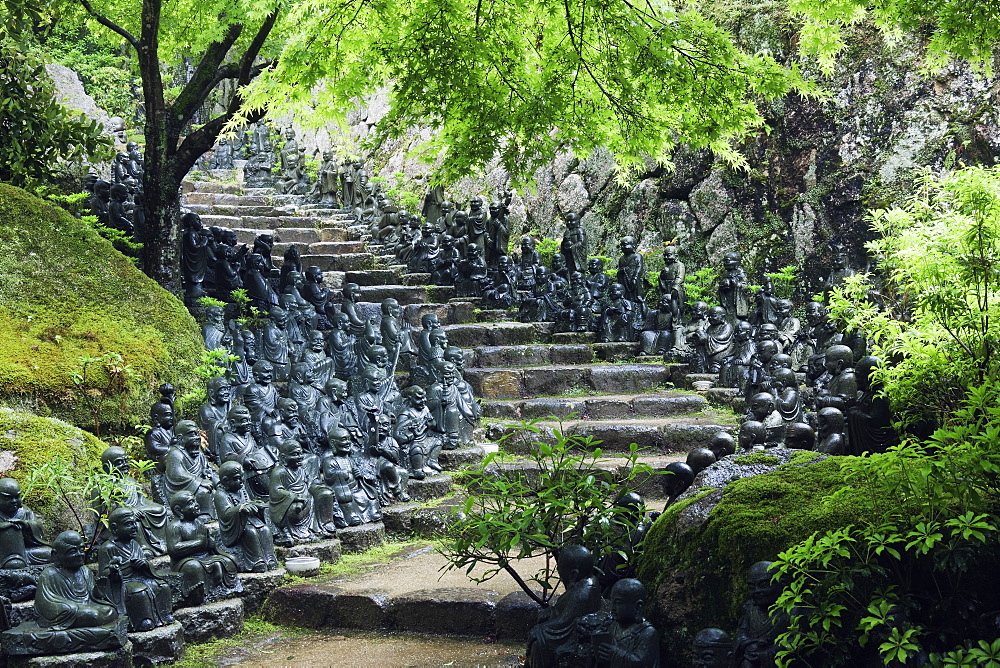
<point x="254" y="629"/>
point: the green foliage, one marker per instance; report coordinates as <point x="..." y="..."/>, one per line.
<point x="103" y="379"/>
<point x="39" y="136"/>
<point x="701" y="286"/>
<point x="406" y="193"/>
<point x="936" y="315"/>
<point x="66" y="293"/>
<point x="510" y="516"/>
<point x="546" y="249"/>
<point x="76" y="204"/>
<point x="784" y="281"/>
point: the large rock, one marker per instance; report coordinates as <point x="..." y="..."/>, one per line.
<point x="65" y="294"/>
<point x="69" y="92"/>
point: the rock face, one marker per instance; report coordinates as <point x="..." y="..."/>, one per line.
<point x="810" y="176"/>
<point x="69" y="91"/>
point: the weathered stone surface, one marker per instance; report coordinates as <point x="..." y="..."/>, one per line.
<point x="161" y="645"/>
<point x="516" y="613"/>
<point x="448" y="611"/>
<point x="222" y="619"/>
<point x="398" y="518"/>
<point x="627" y="377"/>
<point x="507" y="356"/>
<point x="491" y="334"/>
<point x="554" y="379"/>
<point x="545" y="407"/>
<point x="412" y="313"/>
<point x="22" y="612"/>
<point x="328" y="551"/>
<point x="494" y="383"/>
<point x="118" y="659"/>
<point x="452" y="460"/>
<point x="70" y="93"/>
<point x="602" y="408"/>
<point x="258" y="586"/>
<point x="615" y="352"/>
<point x="359" y="610"/>
<point x="362" y="537"/>
<point x="343" y="262"/>
<point x="306" y="605"/>
<point x="430" y="487"/>
<point x="296" y="235"/>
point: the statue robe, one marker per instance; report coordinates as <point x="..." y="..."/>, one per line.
<point x="290" y="487"/>
<point x="23" y="544"/>
<point x="246" y="530"/>
<point x="62" y="595"/>
<point x="558" y="630"/>
<point x="190" y="473"/>
<point x="146" y="596"/>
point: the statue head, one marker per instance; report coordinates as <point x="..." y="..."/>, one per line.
<point x="188" y="436"/>
<point x="438" y="338"/>
<point x="780" y="361"/>
<point x="800" y="436"/>
<point x="122" y="523"/>
<point x="390" y="308"/>
<point x="731" y="261"/>
<point x="289" y="411"/>
<point x="830" y="420"/>
<point x="429" y="321"/>
<point x="761" y="405"/>
<point x="716" y="315"/>
<point x="574" y="563"/>
<point x="68" y="552"/>
<point x="289" y="133"/>
<point x="10" y="496"/>
<point x="231" y="476"/>
<point x="595" y="265"/>
<point x="118" y="192"/>
<point x="291" y="454"/>
<point x="115" y="460"/>
<point x="675" y="478"/>
<point x="558" y="262"/>
<point x="712" y="649"/>
<point x="191" y="221"/>
<point x="699" y="310"/>
<point x="352" y="291"/>
<point x="627" y="245"/>
<point x="449" y="372"/>
<point x="263" y="372"/>
<point x="815" y="313"/>
<point x="317" y="342"/>
<point x="767" y="349"/>
<point x="784" y="377"/>
<point x="763" y="591"/>
<point x="767" y="332"/>
<point x="504" y="264"/>
<point x="454" y="355"/>
<point x="572" y="221"/>
<point x="415" y="396"/>
<point x="863" y="371"/>
<point x="162" y="415"/>
<point x="722" y="444"/>
<point x="314" y="274"/>
<point x="339" y="439"/>
<point x="240" y="420"/>
<point x="527" y="244"/>
<point x="184" y="505"/>
<point x="380" y="357"/>
<point x="784" y="308"/>
<point x="670" y="254"/>
<point x="700" y="459"/>
<point x="220" y="390"/>
<point x="752" y="433"/>
<point x="336" y="389"/>
<point x="744" y="330"/>
<point x="303" y="373"/>
<point x="838" y="358"/>
<point x="628" y="597"/>
<point x="279" y="317"/>
<point x="617" y="291"/>
<point x="214" y="315"/>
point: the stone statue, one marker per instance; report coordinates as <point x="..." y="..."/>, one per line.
<point x="766" y="310"/>
<point x="294" y="179"/>
<point x="345" y="360"/>
<point x="577" y="308"/>
<point x="391" y="462"/>
<point x="658" y="331"/>
<point x="118" y="218"/>
<point x="754" y="645"/>
<point x="734" y="371"/>
<point x="800" y="436"/>
<point x="348" y="306"/>
<point x="693" y="330"/>
<point x="213" y="413"/>
<point x="195" y="256"/>
<point x="327" y="188"/>
<point x="498" y="230"/>
<point x="574" y="245"/>
<point x="214" y="332"/>
<point x="445" y="265"/>
<point x="722" y="444"/>
<point x="832" y="436"/>
<point x="395" y="332"/>
<point x="72" y="616"/>
<point x="762" y="408"/>
<point x="553" y="635"/>
<point x="632" y="272"/>
<point x="675" y="479"/>
<point x="456" y="411"/>
<point x="502" y="292"/>
<point x="415" y="435"/>
<point x="239" y="445"/>
<point x="840" y="271"/>
<point x="261" y="398"/>
<point x="713" y="344"/>
<point x="622" y="318"/>
<point x="150" y="517"/>
<point x="700" y="459"/>
<point x="788" y="402"/>
<point x="598" y="282"/>
<point x="243" y="522"/>
<point x="631" y="641"/>
<point x="160" y="438"/>
<point x="100" y="201"/>
<point x="841" y="390"/>
<point x="128" y="578"/>
<point x="274" y="344"/>
<point x="733" y="287"/>
<point x="317" y="294"/>
<point x="787" y="324"/>
<point x="477" y="223"/>
<point x="187" y="469"/>
<point x="254" y="278"/>
<point x="630" y="529"/>
<point x="291" y="502"/>
<point x="472" y="277"/>
<point x="304" y="390"/>
<point x="356" y="505"/>
<point x="712" y="648"/>
<point x="21" y="541"/>
<point x="222" y="157"/>
<point x="870" y="419"/>
<point x="431" y="342"/>
<point x="752" y="433"/>
<point x="206" y="573"/>
<point x="671" y="278"/>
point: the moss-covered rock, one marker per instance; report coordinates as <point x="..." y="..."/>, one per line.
<point x="66" y="293"/>
<point x="697" y="553"/>
<point x="27" y="441"/>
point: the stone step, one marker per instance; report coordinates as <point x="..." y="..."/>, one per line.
<point x="497" y="333"/>
<point x="209" y="220"/>
<point x="248" y="235"/>
<point x="615" y="352"/>
<point x="514" y="383"/>
<point x="530" y="355"/>
<point x="420" y="519"/>
<point x="454" y="313"/>
<point x="495" y="315"/>
<point x="404" y="294"/>
<point x="229" y="199"/>
<point x="342" y="262"/>
<point x="410" y="593"/>
<point x="603" y="407"/>
<point x="373" y="277"/>
<point x="653" y="435"/>
<point x="253" y="210"/>
<point x="574" y="337"/>
<point x="283" y="221"/>
<point x="214" y="187"/>
<point x="416" y="278"/>
<point x="335" y="247"/>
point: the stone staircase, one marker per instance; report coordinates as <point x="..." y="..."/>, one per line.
<point x="519" y="371"/>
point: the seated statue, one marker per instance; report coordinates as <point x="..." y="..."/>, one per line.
<point x="150" y="517"/>
<point x="415" y="435"/>
<point x="762" y="409"/>
<point x="256" y="459"/>
<point x="752" y="433"/>
<point x="186" y="468"/>
<point x="274" y="344"/>
<point x="841" y="390"/>
<point x="391" y="462"/>
<point x="128" y="578"/>
<point x="501" y="292"/>
<point x="788" y="401"/>
<point x="206" y="573"/>
<point x="214" y="332"/>
<point x="870" y="419"/>
<point x="71" y="615"/>
<point x="553" y="636"/>
<point x="832" y="436"/>
<point x="160" y="438"/>
<point x="355" y="504"/>
<point x="630" y="641"/>
<point x="453" y="406"/>
<point x="800" y="436"/>
<point x="658" y="331"/>
<point x="291" y="502"/>
<point x="622" y="319"/>
<point x="243" y="522"/>
<point x="261" y="397"/>
<point x="713" y="343"/>
<point x="712" y="648"/>
<point x="754" y="645"/>
<point x="21" y="541"/>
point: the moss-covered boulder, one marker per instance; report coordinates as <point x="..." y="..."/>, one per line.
<point x="66" y="293"/>
<point x="28" y="441"/>
<point x="697" y="554"/>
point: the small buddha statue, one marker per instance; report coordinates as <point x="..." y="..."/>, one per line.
<point x="274" y="344"/>
<point x="734" y="371"/>
<point x="755" y="643"/>
<point x="752" y="433"/>
<point x="712" y="344"/>
<point x="832" y="436"/>
<point x="870" y="419"/>
<point x="261" y="397"/>
<point x="733" y="287"/>
<point x="712" y="648"/>
<point x="391" y="462"/>
<point x="214" y="332"/>
<point x="631" y="641"/>
<point x="456" y="412"/>
<point x="787" y="399"/>
<point x="317" y="294"/>
<point x="722" y="444"/>
<point x="160" y="438"/>
<point x="800" y="436"/>
<point x="186" y="468"/>
<point x="597" y="281"/>
<point x="671" y="278"/>
<point x="291" y="501"/>
<point x="675" y="480"/>
<point x="129" y="578"/>
<point x="243" y="522"/>
<point x="629" y="526"/>
<point x="658" y="332"/>
<point x="256" y="459"/>
<point x="206" y="573"/>
<point x="762" y="409"/>
<point x="622" y="318"/>
<point x="841" y="390"/>
<point x="357" y="504"/>
<point x="415" y="435"/>
<point x="150" y="517"/>
<point x="213" y="413"/>
<point x="554" y="634"/>
<point x="631" y="271"/>
<point x="21" y="540"/>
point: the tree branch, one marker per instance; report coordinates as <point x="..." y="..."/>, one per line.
<point x="110" y="25"/>
<point x="196" y="91"/>
<point x="246" y="71"/>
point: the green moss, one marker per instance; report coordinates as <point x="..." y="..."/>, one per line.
<point x="757" y="458"/>
<point x="254" y="629"/>
<point x="756" y="518"/>
<point x="33" y="440"/>
<point x="66" y="293"/>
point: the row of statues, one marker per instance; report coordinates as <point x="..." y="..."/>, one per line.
<point x="118" y="203"/>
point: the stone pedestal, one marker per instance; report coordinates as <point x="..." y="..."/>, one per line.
<point x="222" y="619"/>
<point x="121" y="658"/>
<point x="257" y="587"/>
<point x="22" y="612"/>
<point x="361" y="537"/>
<point x="430" y="487"/>
<point x="161" y="645"/>
<point x="328" y="551"/>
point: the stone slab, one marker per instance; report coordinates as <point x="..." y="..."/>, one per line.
<point x="161" y="645"/>
<point x="491" y="334"/>
<point x="430" y="487"/>
<point x="328" y="551"/>
<point x="404" y="294"/>
<point x="222" y="619"/>
<point x="372" y="277"/>
<point x="361" y="537"/>
<point x="452" y="460"/>
<point x="516" y="613"/>
<point x="615" y="352"/>
<point x="304" y="605"/>
<point x="121" y="658"/>
<point x="296" y="235"/>
<point x="447" y="610"/>
<point x="258" y="586"/>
